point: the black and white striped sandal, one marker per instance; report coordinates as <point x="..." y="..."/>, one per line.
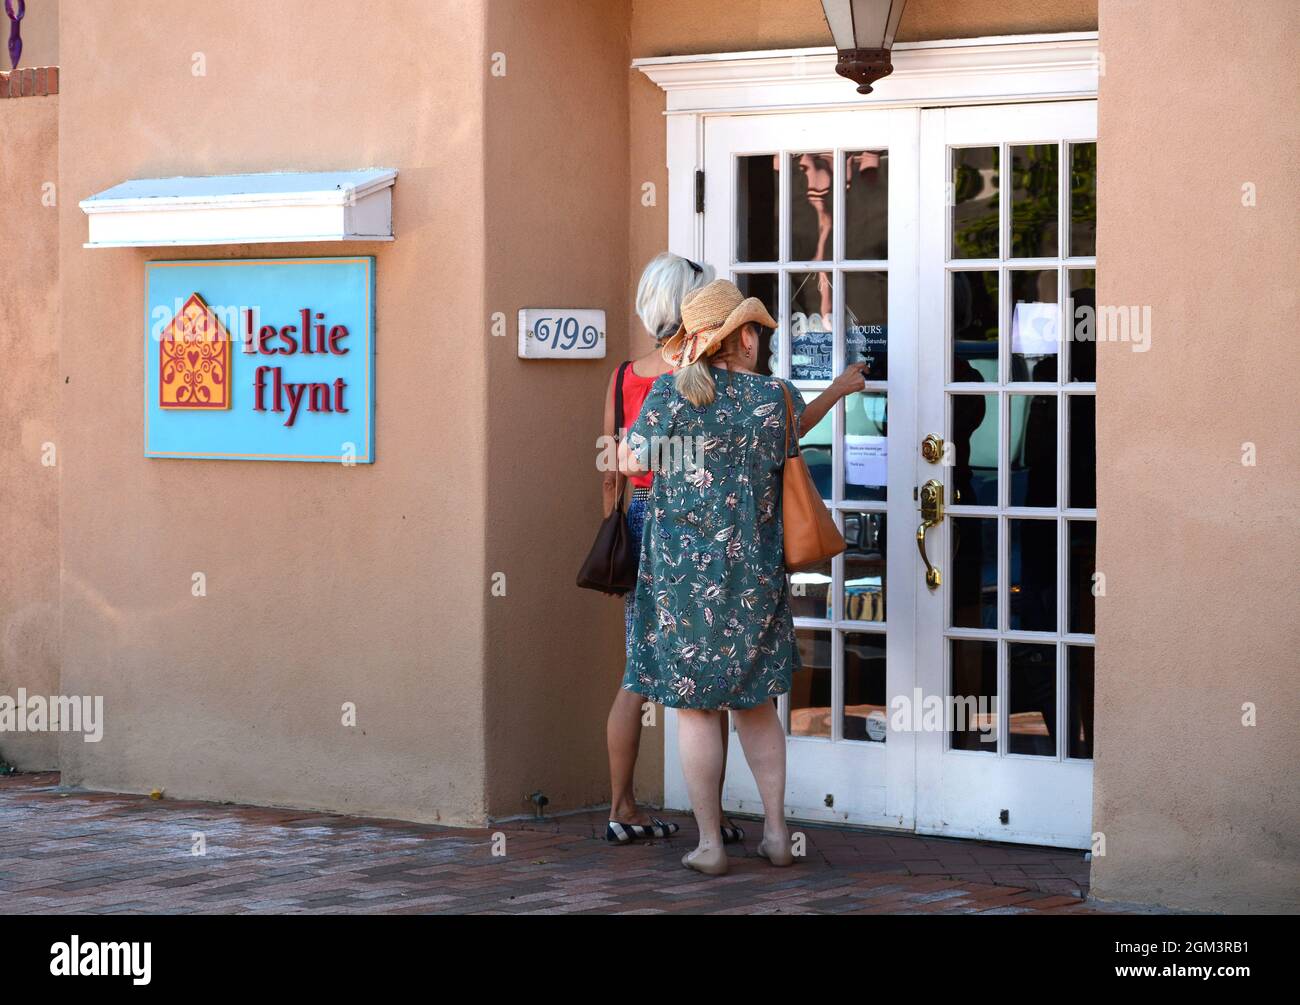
<point x="732" y="835"/>
<point x="627" y="833"/>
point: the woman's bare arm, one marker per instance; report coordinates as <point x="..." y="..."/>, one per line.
<point x="609" y="479"/>
<point x="854" y="378"/>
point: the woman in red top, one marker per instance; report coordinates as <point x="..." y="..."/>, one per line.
<point x="665" y="281"/>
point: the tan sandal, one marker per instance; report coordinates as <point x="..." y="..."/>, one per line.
<point x="711" y="863"/>
<point x="780" y="859"/>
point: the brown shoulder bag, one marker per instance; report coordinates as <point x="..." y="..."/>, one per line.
<point x="811" y="536"/>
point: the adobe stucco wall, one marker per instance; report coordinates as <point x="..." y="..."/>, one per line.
<point x="1201" y="553"/>
<point x="678" y="27"/>
<point x="557" y="217"/>
<point x="324" y="584"/>
<point x="29" y="351"/>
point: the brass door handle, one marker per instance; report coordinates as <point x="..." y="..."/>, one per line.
<point x="931" y="516"/>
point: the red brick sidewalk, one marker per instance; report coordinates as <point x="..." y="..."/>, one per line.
<point x="99" y="853"/>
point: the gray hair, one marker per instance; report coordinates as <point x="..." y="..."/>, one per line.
<point x="665" y="281"/>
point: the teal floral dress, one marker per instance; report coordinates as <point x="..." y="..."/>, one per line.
<point x="711" y="625"/>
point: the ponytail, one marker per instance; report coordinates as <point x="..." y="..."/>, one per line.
<point x="695" y="383"/>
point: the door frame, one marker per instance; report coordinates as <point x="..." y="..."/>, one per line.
<point x="991" y="70"/>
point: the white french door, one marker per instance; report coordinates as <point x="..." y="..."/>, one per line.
<point x="1008" y="249"/>
<point x="815" y="215"/>
<point x="921" y="241"/>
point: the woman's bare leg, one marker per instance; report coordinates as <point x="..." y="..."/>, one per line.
<point x="700" y="749"/>
<point x="623" y="736"/>
<point x="763" y="741"/>
<point x="723" y="727"/>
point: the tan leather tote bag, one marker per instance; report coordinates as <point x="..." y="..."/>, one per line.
<point x="811" y="536"/>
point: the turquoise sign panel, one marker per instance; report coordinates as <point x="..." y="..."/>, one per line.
<point x="260" y="359"/>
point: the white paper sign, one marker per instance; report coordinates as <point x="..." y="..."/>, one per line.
<point x="561" y="333"/>
<point x="1034" y="329"/>
<point x="866" y="460"/>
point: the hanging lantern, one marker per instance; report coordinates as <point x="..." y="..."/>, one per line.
<point x="864" y="32"/>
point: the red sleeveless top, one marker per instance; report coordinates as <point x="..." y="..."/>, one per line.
<point x="635" y="390"/>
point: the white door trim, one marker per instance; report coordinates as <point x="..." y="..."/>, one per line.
<point x="960" y="71"/>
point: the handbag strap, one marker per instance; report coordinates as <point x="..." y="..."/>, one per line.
<point x="619" y="477"/>
<point x="789" y="421"/>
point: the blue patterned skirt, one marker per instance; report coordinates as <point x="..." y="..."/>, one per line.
<point x="636" y="524"/>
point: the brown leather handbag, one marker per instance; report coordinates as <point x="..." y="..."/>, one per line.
<point x="611" y="566"/>
<point x="811" y="536"/>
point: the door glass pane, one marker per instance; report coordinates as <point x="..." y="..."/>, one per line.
<point x="975" y="326"/>
<point x="1035" y="325"/>
<point x="1034" y="195"/>
<point x="1083" y="200"/>
<point x="975" y="449"/>
<point x="810" y="688"/>
<point x="866" y="204"/>
<point x="974" y="692"/>
<point x="866" y="446"/>
<point x="866" y="315"/>
<point x="1082" y="319"/>
<point x="974" y="581"/>
<point x="764" y="285"/>
<point x="816" y="446"/>
<point x="1032" y="444"/>
<point x="1031" y="699"/>
<point x="812" y="177"/>
<point x="1079" y="706"/>
<point x="1083" y="451"/>
<point x="865" y="708"/>
<point x="975" y="202"/>
<point x="864" y="567"/>
<point x="810" y="592"/>
<point x="757" y="208"/>
<point x="1083" y="565"/>
<point x="811" y="317"/>
<point x="1032" y="570"/>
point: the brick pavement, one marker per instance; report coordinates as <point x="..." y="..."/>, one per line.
<point x="101" y="853"/>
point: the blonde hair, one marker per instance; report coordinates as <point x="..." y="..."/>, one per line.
<point x="695" y="382"/>
<point x="664" y="283"/>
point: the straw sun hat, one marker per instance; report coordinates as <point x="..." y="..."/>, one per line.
<point x="709" y="315"/>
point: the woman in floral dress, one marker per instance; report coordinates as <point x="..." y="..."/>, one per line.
<point x="711" y="627"/>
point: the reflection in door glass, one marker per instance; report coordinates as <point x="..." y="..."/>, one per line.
<point x="1032" y="447"/>
<point x="763" y="285"/>
<point x="975" y="326"/>
<point x="1035" y="325"/>
<point x="866" y="205"/>
<point x="975" y="202"/>
<point x="810" y="592"/>
<point x="811" y="319"/>
<point x="1079" y="706"/>
<point x="1083" y="565"/>
<point x="974" y="692"/>
<point x="810" y="688"/>
<point x="811" y="207"/>
<point x="974" y="449"/>
<point x="816" y="446"/>
<point x="866" y="446"/>
<point x="866" y="322"/>
<point x="1082" y="318"/>
<point x="1034" y="195"/>
<point x="1083" y="451"/>
<point x="1031" y="699"/>
<point x="865" y="707"/>
<point x="1083" y="200"/>
<point x="757" y="208"/>
<point x="864" y="567"/>
<point x="1031" y="568"/>
<point x="974" y="580"/>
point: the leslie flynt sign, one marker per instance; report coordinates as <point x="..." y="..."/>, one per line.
<point x="267" y="359"/>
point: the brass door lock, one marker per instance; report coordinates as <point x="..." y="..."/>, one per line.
<point x="932" y="448"/>
<point x="931" y="495"/>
